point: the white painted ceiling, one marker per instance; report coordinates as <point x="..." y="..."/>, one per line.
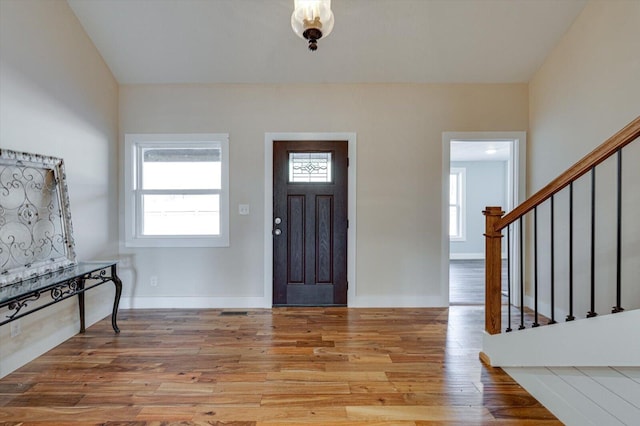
<point x="251" y="41"/>
<point x="480" y="150"/>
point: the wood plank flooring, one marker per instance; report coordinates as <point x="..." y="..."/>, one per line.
<point x="319" y="366"/>
<point x="466" y="282"/>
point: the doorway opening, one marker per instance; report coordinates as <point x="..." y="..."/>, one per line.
<point x="481" y="169"/>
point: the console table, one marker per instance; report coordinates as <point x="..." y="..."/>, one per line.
<point x="60" y="285"/>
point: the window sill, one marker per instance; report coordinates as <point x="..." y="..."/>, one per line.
<point x="168" y="242"/>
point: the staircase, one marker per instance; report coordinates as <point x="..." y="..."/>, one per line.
<point x="599" y="396"/>
<point x="576" y="358"/>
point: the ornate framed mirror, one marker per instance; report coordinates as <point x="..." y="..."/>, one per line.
<point x="36" y="235"/>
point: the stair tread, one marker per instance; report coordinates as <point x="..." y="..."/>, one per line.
<point x="617" y="382"/>
<point x="599" y="394"/>
<point x="631" y="372"/>
<point x="565" y="401"/>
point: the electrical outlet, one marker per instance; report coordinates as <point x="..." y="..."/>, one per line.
<point x="153" y="281"/>
<point x="16" y="329"/>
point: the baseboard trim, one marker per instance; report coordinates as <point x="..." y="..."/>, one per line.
<point x="466" y="256"/>
<point x="470" y="256"/>
<point x="192" y="302"/>
<point x="388" y="301"/>
<point x="409" y="301"/>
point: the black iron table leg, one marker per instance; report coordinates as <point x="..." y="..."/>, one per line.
<point x="118" y="283"/>
<point x="81" y="304"/>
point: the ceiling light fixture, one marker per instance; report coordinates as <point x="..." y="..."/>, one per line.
<point x="312" y="20"/>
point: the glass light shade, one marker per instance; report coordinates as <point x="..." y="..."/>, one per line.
<point x="312" y="14"/>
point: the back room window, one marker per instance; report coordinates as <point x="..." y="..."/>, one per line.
<point x="457" y="214"/>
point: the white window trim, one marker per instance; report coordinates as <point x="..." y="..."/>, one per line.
<point x="132" y="220"/>
<point x="462" y="217"/>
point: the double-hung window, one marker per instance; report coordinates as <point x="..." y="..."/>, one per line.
<point x="457" y="214"/>
<point x="177" y="190"/>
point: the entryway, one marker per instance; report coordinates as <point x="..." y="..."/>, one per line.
<point x="311" y="260"/>
<point x="310" y="223"/>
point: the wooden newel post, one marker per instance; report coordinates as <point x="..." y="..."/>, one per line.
<point x="493" y="271"/>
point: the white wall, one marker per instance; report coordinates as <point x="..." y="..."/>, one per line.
<point x="399" y="179"/>
<point x="588" y="89"/>
<point x="58" y="98"/>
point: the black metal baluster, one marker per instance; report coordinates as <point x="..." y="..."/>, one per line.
<point x="535" y="267"/>
<point x="570" y="317"/>
<point x="618" y="307"/>
<point x="592" y="313"/>
<point x="521" y="279"/>
<point x="508" y="278"/>
<point x="553" y="275"/>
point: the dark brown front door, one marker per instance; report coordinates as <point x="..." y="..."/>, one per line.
<point x="310" y="223"/>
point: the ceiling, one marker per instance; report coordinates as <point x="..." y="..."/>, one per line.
<point x="373" y="41"/>
<point x="480" y="150"/>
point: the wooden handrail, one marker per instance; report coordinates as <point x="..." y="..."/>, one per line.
<point x="628" y="134"/>
<point x="495" y="222"/>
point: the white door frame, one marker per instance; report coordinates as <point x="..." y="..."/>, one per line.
<point x="516" y="193"/>
<point x="269" y="138"/>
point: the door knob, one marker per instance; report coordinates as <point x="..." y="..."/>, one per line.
<point x="277" y="221"/>
<point x="277" y="232"/>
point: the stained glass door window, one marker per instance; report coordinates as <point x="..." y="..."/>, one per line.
<point x="310" y="167"/>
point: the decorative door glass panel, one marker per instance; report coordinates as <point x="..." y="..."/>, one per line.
<point x="310" y="167"/>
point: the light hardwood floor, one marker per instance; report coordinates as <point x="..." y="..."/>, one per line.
<point x="466" y="282"/>
<point x="319" y="366"/>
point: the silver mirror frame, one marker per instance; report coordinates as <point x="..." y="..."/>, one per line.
<point x="50" y="210"/>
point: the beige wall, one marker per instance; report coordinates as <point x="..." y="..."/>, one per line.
<point x="58" y="98"/>
<point x="399" y="178"/>
<point x="587" y="89"/>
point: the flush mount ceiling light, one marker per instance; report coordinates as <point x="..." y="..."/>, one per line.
<point x="312" y="20"/>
